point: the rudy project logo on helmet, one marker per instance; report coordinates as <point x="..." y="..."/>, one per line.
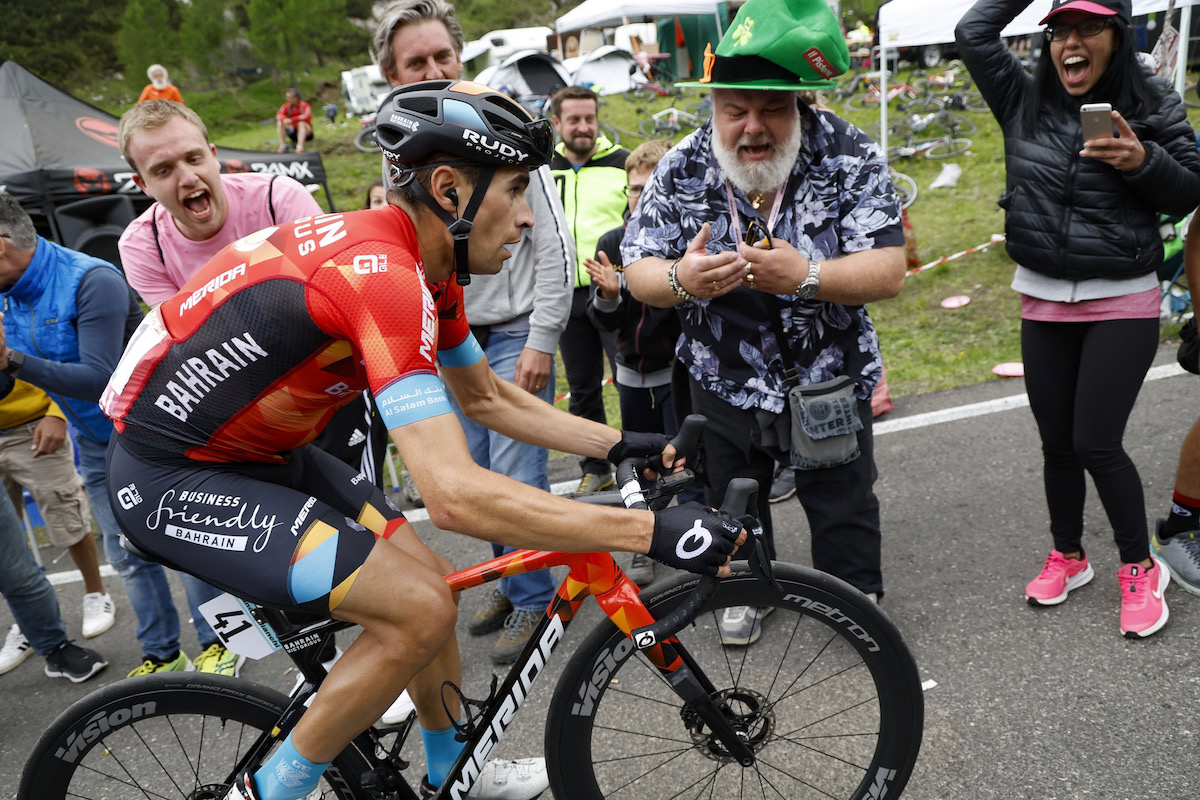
<point x="697" y="540"/>
<point x="493" y="147"/>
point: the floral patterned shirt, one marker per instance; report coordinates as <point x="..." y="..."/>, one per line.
<point x="839" y="199"/>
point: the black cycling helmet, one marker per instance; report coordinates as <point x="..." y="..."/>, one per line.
<point x="469" y="124"/>
<point x="461" y="119"/>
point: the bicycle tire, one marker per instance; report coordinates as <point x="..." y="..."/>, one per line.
<point x="1190" y="97"/>
<point x="906" y="188"/>
<point x="973" y="101"/>
<point x="863" y="102"/>
<point x="822" y="655"/>
<point x="364" y="140"/>
<point x="169" y="735"/>
<point x="948" y="148"/>
<point x="612" y="133"/>
<point x="651" y="128"/>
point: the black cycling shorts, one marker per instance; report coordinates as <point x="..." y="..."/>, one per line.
<point x="282" y="535"/>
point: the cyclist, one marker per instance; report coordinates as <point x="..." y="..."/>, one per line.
<point x="224" y="385"/>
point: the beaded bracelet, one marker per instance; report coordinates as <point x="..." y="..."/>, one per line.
<point x="676" y="286"/>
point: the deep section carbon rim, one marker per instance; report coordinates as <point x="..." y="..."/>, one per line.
<point x="828" y="698"/>
<point x="175" y="735"/>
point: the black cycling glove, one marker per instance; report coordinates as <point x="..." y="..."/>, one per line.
<point x="693" y="537"/>
<point x="636" y="443"/>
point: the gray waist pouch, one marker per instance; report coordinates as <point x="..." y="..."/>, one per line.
<point x="825" y="424"/>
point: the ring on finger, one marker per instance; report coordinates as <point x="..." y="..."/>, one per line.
<point x="716" y="286"/>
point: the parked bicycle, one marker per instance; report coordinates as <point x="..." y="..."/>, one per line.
<point x="946" y="146"/>
<point x="668" y="123"/>
<point x="906" y="188"/>
<point x="827" y="702"/>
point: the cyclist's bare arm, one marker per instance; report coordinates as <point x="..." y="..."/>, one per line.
<point x="501" y="406"/>
<point x="466" y="498"/>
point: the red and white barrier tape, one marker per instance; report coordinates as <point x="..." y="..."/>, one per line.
<point x="996" y="237"/>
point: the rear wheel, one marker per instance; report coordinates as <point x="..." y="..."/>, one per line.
<point x="828" y="698"/>
<point x="948" y="148"/>
<point x="365" y="140"/>
<point x="176" y="735"/>
<point x="906" y="188"/>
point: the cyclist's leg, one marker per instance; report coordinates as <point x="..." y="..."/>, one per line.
<point x="369" y="507"/>
<point x="244" y="527"/>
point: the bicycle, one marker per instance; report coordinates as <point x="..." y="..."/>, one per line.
<point x="906" y="188"/>
<point x="870" y="100"/>
<point x="668" y="123"/>
<point x="830" y="702"/>
<point x="946" y="146"/>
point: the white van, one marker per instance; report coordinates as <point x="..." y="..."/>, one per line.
<point x="363" y="88"/>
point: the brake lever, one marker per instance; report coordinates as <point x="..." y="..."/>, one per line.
<point x="629" y="471"/>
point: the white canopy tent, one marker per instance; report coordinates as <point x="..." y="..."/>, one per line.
<point x="611" y="13"/>
<point x="911" y="23"/>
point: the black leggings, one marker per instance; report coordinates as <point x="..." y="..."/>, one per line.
<point x="1082" y="379"/>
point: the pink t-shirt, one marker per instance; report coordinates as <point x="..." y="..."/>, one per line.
<point x="250" y="197"/>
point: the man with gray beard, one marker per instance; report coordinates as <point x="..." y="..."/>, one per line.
<point x="769" y="229"/>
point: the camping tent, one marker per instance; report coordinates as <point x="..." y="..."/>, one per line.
<point x="59" y="150"/>
<point x="526" y="75"/>
<point x="910" y="23"/>
<point x="611" y="13"/>
<point x="608" y="69"/>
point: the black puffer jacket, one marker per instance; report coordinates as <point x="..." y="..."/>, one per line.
<point x="1071" y="217"/>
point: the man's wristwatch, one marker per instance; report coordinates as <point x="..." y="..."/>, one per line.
<point x="16" y="360"/>
<point x="812" y="284"/>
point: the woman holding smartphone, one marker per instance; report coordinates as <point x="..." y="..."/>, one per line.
<point x="1082" y="227"/>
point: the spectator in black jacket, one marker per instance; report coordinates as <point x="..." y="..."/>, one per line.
<point x="1082" y="227"/>
<point x="646" y="335"/>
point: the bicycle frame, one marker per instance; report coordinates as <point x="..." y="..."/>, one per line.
<point x="590" y="575"/>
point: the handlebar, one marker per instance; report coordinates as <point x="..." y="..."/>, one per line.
<point x="740" y="502"/>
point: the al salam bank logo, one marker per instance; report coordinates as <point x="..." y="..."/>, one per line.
<point x="101" y="130"/>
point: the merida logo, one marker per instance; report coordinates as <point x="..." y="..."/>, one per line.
<point x="98" y="726"/>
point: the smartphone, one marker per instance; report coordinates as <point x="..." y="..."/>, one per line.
<point x="1096" y="119"/>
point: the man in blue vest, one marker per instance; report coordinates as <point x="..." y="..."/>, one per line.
<point x="67" y="317"/>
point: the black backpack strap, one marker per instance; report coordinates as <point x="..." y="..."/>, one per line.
<point x="154" y="229"/>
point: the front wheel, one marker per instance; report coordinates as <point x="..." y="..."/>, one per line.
<point x="172" y="734"/>
<point x="365" y="142"/>
<point x="828" y="697"/>
<point x="948" y="148"/>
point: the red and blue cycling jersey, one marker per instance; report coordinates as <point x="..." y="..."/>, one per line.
<point x="262" y="345"/>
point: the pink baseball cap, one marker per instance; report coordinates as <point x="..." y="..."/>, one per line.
<point x="1121" y="9"/>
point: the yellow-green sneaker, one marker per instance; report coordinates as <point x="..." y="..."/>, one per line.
<point x="149" y="665"/>
<point x="219" y="661"/>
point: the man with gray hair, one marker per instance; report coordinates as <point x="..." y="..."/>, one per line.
<point x="517" y="316"/>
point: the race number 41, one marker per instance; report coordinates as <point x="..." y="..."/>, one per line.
<point x="233" y="620"/>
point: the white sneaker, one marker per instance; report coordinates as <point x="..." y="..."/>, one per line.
<point x="16" y="649"/>
<point x="521" y="779"/>
<point x="742" y="625"/>
<point x="98" y="614"/>
<point x="328" y="665"/>
<point x="399" y="711"/>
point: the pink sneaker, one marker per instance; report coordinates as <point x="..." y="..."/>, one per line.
<point x="1058" y="577"/>
<point x="1143" y="609"/>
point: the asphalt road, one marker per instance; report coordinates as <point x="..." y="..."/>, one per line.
<point x="1023" y="702"/>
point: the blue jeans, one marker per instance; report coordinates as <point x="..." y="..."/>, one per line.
<point x="145" y="581"/>
<point x="519" y="461"/>
<point x="29" y="595"/>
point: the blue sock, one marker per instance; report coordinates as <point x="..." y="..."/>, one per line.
<point x="441" y="751"/>
<point x="287" y="775"/>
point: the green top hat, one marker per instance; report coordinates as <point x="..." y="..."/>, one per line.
<point x="787" y="45"/>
